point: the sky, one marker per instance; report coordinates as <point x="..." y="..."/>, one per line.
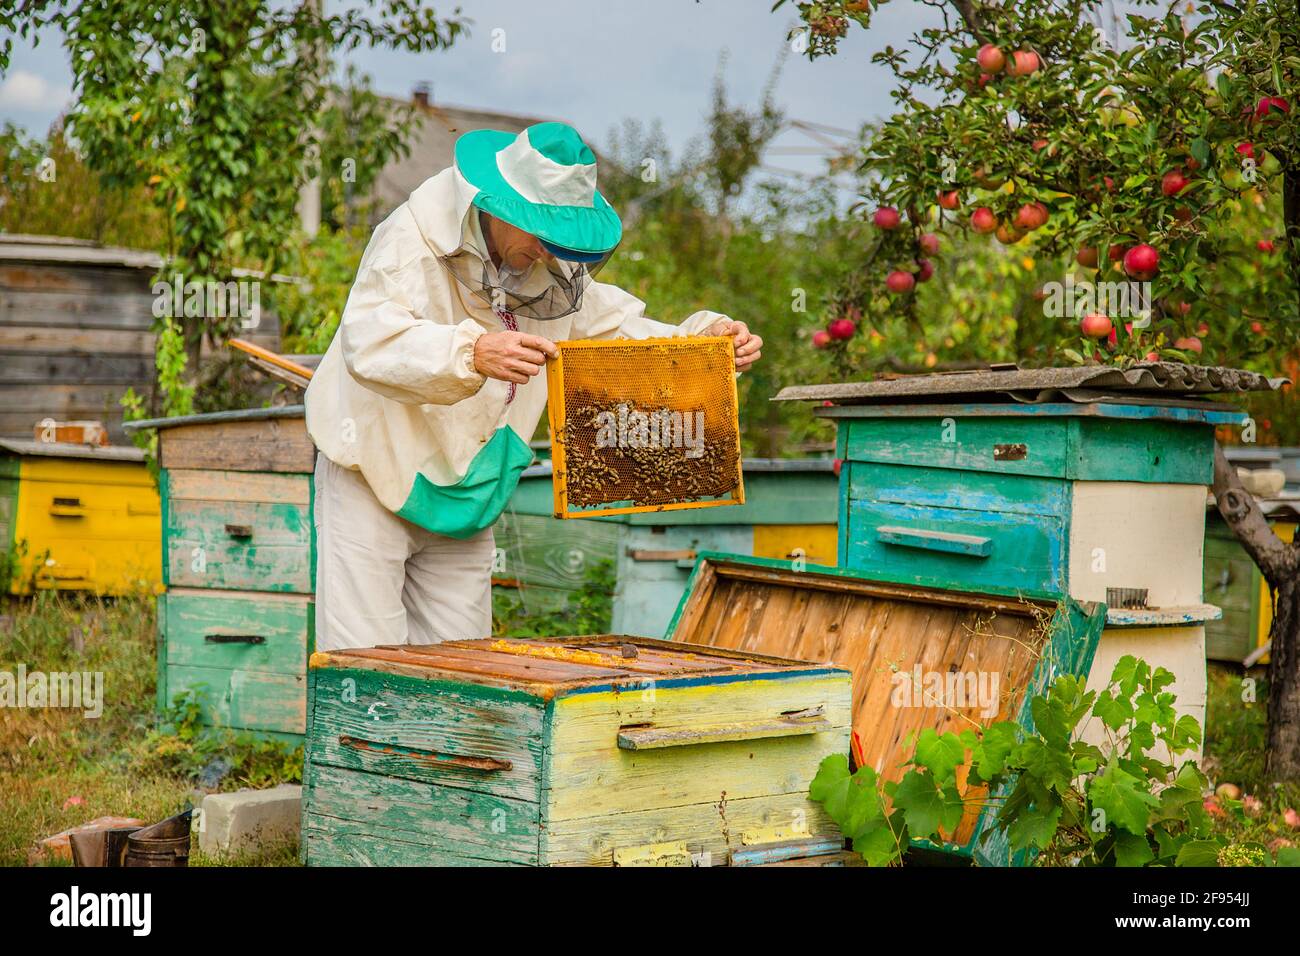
<point x="592" y="63"/>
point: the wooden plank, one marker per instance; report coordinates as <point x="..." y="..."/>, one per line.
<point x="275" y="445"/>
<point x="966" y="444"/>
<point x="1140" y="451"/>
<point x="252" y="700"/>
<point x="262" y="632"/>
<point x="239" y="486"/>
<point x="336" y="843"/>
<point x="711" y="831"/>
<point x="446" y="820"/>
<point x="588" y="774"/>
<point x="37" y="338"/>
<point x="415" y="718"/>
<point x="43" y="368"/>
<point x="945" y="488"/>
<point x="207" y="545"/>
<point x="1027" y="551"/>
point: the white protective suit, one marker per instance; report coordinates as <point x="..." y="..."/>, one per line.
<point x="438" y="446"/>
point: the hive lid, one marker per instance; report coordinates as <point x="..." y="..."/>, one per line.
<point x="549" y="667"/>
<point x="943" y="658"/>
<point x="1086" y="383"/>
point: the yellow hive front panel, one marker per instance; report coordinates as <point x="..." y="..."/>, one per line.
<point x="88" y="525"/>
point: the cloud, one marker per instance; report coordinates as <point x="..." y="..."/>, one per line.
<point x="23" y="90"/>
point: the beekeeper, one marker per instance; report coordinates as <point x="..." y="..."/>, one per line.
<point x="424" y="403"/>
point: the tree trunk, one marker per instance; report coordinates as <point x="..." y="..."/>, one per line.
<point x="1280" y="565"/>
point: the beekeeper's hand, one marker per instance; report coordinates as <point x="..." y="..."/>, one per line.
<point x="512" y="356"/>
<point x="748" y="345"/>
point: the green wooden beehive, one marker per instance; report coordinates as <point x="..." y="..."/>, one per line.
<point x="589" y="751"/>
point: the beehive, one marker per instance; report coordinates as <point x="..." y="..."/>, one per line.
<point x="647" y="425"/>
<point x="77" y="517"/>
<point x="950" y="659"/>
<point x="236" y="623"/>
<point x="591" y="751"/>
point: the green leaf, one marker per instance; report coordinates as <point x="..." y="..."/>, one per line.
<point x="1287" y="856"/>
<point x="1114" y="711"/>
<point x="1034" y="826"/>
<point x="941" y="755"/>
<point x="852" y="801"/>
<point x="1124" y="798"/>
<point x="921" y="802"/>
<point x="1199" y="853"/>
<point x="878" y="845"/>
<point x="1132" y="849"/>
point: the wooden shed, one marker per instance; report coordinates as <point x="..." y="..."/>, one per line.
<point x="76" y="330"/>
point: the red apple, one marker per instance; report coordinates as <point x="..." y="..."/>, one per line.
<point x="899" y="281"/>
<point x="1292" y="818"/>
<point x="1171" y="184"/>
<point x="1096" y="326"/>
<point x="1203" y="329"/>
<point x="1039" y="144"/>
<point x="949" y="199"/>
<point x="1142" y="262"/>
<point x="929" y="244"/>
<point x="1247" y="150"/>
<point x="1213" y="809"/>
<point x="1184" y="307"/>
<point x="1264" y="245"/>
<point x="1257" y="328"/>
<point x="886" y="217"/>
<point x="820" y="339"/>
<point x="1153" y="356"/>
<point x="1007" y="234"/>
<point x="982" y="220"/>
<point x="1115" y="252"/>
<point x="991" y="59"/>
<point x="1228" y="791"/>
<point x="1189" y="343"/>
<point x="1270" y="106"/>
<point x="1023" y="62"/>
<point x="925" y="269"/>
<point x="1110" y="184"/>
<point x="1086" y="257"/>
<point x="841" y="329"/>
<point x="984" y="80"/>
<point x="1031" y="216"/>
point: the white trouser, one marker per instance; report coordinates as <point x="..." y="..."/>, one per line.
<point x="382" y="580"/>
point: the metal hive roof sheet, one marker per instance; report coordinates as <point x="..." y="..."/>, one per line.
<point x="1088" y="383"/>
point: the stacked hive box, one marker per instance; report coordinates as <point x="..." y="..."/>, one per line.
<point x="236" y="623"/>
<point x="1087" y="499"/>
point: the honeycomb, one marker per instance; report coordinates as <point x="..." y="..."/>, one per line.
<point x="644" y="425"/>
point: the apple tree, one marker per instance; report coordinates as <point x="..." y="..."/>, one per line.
<point x="1164" y="153"/>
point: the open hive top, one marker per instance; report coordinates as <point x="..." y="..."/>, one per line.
<point x="551" y="666"/>
<point x="646" y="425"/>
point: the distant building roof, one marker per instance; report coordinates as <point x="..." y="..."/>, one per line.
<point x="432" y="139"/>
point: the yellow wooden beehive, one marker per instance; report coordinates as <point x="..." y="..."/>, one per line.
<point x="78" y="517"/>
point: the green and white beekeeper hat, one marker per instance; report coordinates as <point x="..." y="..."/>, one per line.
<point x="542" y="181"/>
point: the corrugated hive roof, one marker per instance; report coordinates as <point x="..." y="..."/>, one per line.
<point x="1088" y="383"/>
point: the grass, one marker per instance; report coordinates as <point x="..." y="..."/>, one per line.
<point x="59" y="768"/>
<point x="1236" y="741"/>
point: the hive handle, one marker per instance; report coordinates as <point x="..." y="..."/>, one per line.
<point x="234" y="638"/>
<point x="649" y="737"/>
<point x="67" y="508"/>
<point x="454" y="761"/>
<point x="239" y="530"/>
<point x="970" y="545"/>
